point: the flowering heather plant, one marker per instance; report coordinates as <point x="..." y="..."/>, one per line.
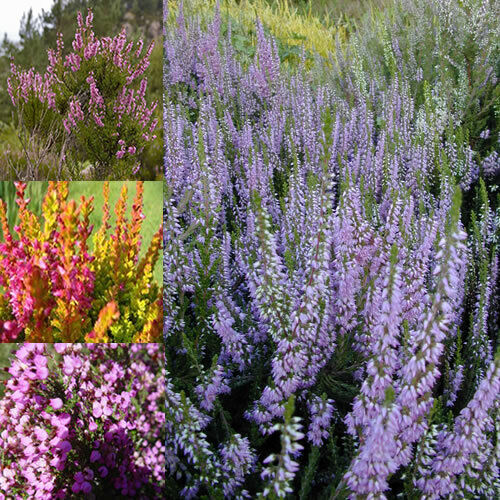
<point x="94" y="95"/>
<point x="451" y="45"/>
<point x="62" y="281"/>
<point x="83" y="421"/>
<point x="331" y="283"/>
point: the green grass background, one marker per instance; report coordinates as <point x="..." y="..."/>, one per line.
<point x="153" y="205"/>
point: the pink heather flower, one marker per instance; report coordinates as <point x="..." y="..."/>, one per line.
<point x="41" y="434"/>
<point x="77" y="42"/>
<point x="61" y="347"/>
<point x="23" y="386"/>
<point x="22" y="353"/>
<point x="25" y="440"/>
<point x="66" y="125"/>
<point x="42" y="373"/>
<point x="96" y="410"/>
<point x="56" y="403"/>
<point x="89" y="19"/>
<point x="63" y="419"/>
<point x="29" y="451"/>
<point x="68" y="365"/>
<point x="40" y="361"/>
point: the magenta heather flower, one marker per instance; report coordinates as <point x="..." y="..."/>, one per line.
<point x="56" y="403"/>
<point x="317" y="249"/>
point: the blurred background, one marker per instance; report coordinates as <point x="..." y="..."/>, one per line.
<point x="5" y="350"/>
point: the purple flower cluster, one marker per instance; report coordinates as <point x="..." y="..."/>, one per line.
<point x="76" y="419"/>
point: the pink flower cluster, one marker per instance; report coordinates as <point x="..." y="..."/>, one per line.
<point x="85" y="419"/>
<point x="75" y="114"/>
<point x="22" y="85"/>
<point x="96" y="105"/>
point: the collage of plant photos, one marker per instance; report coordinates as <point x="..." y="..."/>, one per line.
<point x="250" y="249"/>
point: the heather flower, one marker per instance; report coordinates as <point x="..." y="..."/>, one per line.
<point x="280" y="469"/>
<point x="321" y="417"/>
<point x="237" y="460"/>
<point x="213" y="385"/>
<point x="465" y="448"/>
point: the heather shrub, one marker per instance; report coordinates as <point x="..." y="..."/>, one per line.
<point x="89" y="104"/>
<point x="62" y="281"/>
<point x="331" y="285"/>
<point x="449" y="54"/>
<point x="83" y="421"/>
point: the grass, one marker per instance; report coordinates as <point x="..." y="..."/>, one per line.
<point x="153" y="205"/>
<point x="336" y="10"/>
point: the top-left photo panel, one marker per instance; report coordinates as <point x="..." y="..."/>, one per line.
<point x="81" y="90"/>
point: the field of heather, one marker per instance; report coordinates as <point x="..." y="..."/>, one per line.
<point x="331" y="249"/>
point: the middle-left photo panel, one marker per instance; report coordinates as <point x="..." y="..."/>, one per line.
<point x="81" y="261"/>
<point x="81" y="91"/>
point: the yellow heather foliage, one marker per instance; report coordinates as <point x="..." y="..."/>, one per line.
<point x="282" y="19"/>
<point x="4" y="223"/>
<point x="153" y="327"/>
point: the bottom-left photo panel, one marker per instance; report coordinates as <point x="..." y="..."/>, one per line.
<point x="82" y="420"/>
